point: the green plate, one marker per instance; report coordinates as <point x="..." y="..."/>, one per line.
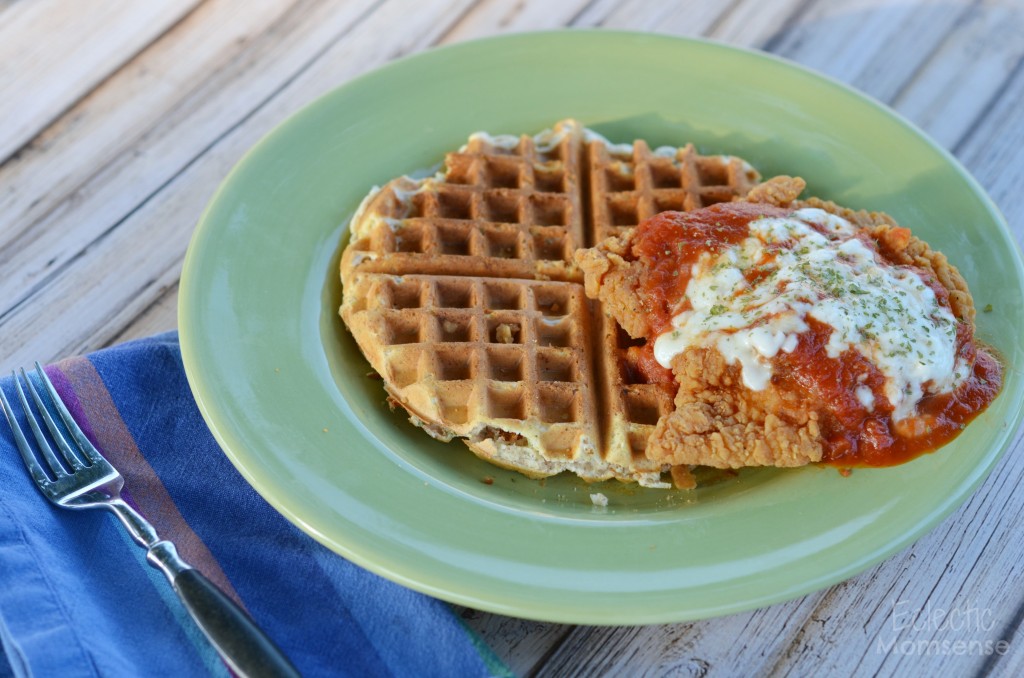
<point x="284" y="388"/>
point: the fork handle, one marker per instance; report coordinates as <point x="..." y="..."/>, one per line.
<point x="246" y="649"/>
<point x="239" y="642"/>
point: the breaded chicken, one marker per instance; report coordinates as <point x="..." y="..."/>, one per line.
<point x="718" y="421"/>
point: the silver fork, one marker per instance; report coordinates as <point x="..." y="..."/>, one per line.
<point x="82" y="478"/>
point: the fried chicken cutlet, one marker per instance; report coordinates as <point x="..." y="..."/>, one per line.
<point x="796" y="332"/>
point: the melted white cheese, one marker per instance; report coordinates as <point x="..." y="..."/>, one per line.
<point x="544" y="142"/>
<point x="886" y="313"/>
<point x="866" y="398"/>
<point x="503" y="141"/>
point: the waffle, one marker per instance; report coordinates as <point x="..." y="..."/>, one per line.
<point x="630" y="183"/>
<point x="462" y="293"/>
<point x="631" y="406"/>
<point x="504" y="363"/>
<point x="505" y="207"/>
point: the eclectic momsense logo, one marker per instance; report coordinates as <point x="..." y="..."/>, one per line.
<point x="962" y="621"/>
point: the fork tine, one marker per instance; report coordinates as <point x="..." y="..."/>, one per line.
<point x="34" y="467"/>
<point x="69" y="453"/>
<point x="87" y="448"/>
<point x="45" y="448"/>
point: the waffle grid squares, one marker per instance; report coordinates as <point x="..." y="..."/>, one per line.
<point x="486" y="241"/>
<point x="471" y="321"/>
<point x="634" y="406"/>
<point x="630" y="186"/>
<point x="511" y="207"/>
<point x="523" y="360"/>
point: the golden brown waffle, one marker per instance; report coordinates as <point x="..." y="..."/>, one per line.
<point x="631" y="183"/>
<point x="504" y="206"/>
<point x="462" y="293"/>
<point x="631" y="406"/>
<point x="504" y="363"/>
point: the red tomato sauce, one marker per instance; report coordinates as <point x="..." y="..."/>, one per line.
<point x="670" y="243"/>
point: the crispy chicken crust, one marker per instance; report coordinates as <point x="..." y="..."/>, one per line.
<point x="718" y="421"/>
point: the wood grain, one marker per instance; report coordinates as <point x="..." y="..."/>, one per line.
<point x="490" y="17"/>
<point x="678" y="18"/>
<point x="993" y="150"/>
<point x="125" y="186"/>
<point x="967" y="72"/>
<point x="143" y="126"/>
<point x="113" y="144"/>
<point x="93" y="37"/>
<point x="160" y="316"/>
<point x="874" y="46"/>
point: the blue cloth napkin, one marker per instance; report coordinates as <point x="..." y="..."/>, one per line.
<point x="78" y="599"/>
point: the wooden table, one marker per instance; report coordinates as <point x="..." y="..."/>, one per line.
<point x="120" y="118"/>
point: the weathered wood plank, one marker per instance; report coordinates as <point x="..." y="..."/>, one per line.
<point x="490" y="17"/>
<point x="1011" y="663"/>
<point x="129" y="137"/>
<point x="746" y="23"/>
<point x="593" y="13"/>
<point x="753" y="24"/>
<point x="95" y="37"/>
<point x="874" y="46"/>
<point x="966" y="72"/>
<point x="160" y="316"/>
<point x="677" y="18"/>
<point x="693" y="649"/>
<point x="993" y="150"/>
<point x="523" y="645"/>
<point x="67" y="314"/>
